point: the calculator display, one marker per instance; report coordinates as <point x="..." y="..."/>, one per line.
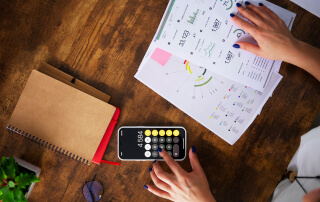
<point x="142" y="142"/>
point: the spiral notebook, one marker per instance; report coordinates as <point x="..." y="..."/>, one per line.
<point x="63" y="118"/>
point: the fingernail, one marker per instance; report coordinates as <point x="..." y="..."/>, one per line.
<point x="193" y="149"/>
<point x="260" y="4"/>
<point x="145" y="186"/>
<point x="232" y="15"/>
<point x="150" y="169"/>
<point x="247" y="3"/>
<point x="238" y="5"/>
<point x="236" y="46"/>
<point x="154" y="161"/>
<point x="159" y="149"/>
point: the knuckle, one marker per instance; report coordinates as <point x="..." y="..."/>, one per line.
<point x="157" y="182"/>
<point x="258" y="34"/>
<point x="183" y="176"/>
<point x="244" y="46"/>
<point x="269" y="27"/>
<point x="161" y="175"/>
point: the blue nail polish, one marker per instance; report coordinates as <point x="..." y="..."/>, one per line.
<point x="236" y="46"/>
<point x="150" y="169"/>
<point x="154" y="161"/>
<point x="193" y="149"/>
<point x="260" y="4"/>
<point x="247" y="3"/>
<point x="232" y="15"/>
<point x="145" y="186"/>
<point x="159" y="149"/>
<point x="238" y="5"/>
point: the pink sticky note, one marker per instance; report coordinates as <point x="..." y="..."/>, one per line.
<point x="161" y="56"/>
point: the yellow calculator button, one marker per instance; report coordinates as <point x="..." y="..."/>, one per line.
<point x="169" y="132"/>
<point x="162" y="132"/>
<point x="176" y="132"/>
<point x="147" y="132"/>
<point x="154" y="132"/>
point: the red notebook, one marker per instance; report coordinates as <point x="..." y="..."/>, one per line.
<point x="105" y="141"/>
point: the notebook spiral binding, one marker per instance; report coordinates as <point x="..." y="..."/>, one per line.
<point x="47" y="144"/>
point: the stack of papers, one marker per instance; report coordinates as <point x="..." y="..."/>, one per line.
<point x="192" y="64"/>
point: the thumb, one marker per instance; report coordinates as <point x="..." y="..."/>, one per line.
<point x="248" y="47"/>
<point x="194" y="161"/>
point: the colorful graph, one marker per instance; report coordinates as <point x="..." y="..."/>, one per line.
<point x="199" y="76"/>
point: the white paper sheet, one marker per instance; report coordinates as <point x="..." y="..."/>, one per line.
<point x="211" y="92"/>
<point x="202" y="31"/>
<point x="313" y="6"/>
<point x="225" y="107"/>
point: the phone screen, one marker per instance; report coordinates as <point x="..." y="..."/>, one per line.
<point x="142" y="142"/>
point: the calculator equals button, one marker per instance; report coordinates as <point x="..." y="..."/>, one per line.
<point x="176" y="150"/>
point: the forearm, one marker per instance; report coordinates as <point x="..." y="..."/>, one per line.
<point x="306" y="57"/>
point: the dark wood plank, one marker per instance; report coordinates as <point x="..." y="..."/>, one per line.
<point x="102" y="43"/>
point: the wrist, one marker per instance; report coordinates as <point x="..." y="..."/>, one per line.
<point x="306" y="57"/>
<point x="294" y="51"/>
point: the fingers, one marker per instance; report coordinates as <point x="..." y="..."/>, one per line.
<point x="258" y="11"/>
<point x="268" y="11"/>
<point x="173" y="165"/>
<point x="161" y="175"/>
<point x="248" y="47"/>
<point x="194" y="161"/>
<point x="158" y="192"/>
<point x="252" y="17"/>
<point x="245" y="25"/>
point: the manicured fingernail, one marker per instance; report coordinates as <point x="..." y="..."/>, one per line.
<point x="159" y="149"/>
<point x="154" y="161"/>
<point x="260" y="4"/>
<point x="236" y="46"/>
<point x="193" y="149"/>
<point x="238" y="5"/>
<point x="145" y="186"/>
<point x="150" y="169"/>
<point x="232" y="15"/>
<point x="247" y="3"/>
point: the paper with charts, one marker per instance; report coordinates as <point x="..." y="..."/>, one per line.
<point x="225" y="107"/>
<point x="203" y="32"/>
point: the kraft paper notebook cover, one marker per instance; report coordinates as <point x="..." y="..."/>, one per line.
<point x="61" y="117"/>
<point x="71" y="81"/>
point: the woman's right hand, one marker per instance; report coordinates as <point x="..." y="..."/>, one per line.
<point x="274" y="39"/>
<point x="272" y="35"/>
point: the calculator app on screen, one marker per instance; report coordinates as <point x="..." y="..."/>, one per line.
<point x="142" y="142"/>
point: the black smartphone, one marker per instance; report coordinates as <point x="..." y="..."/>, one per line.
<point x="141" y="143"/>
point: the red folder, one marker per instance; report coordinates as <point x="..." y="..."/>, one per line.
<point x="105" y="141"/>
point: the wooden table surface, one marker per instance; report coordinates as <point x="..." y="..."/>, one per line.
<point x="102" y="43"/>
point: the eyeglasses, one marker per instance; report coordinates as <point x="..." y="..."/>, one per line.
<point x="92" y="191"/>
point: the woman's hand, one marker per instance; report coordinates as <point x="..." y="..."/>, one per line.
<point x="180" y="185"/>
<point x="274" y="39"/>
<point x="272" y="35"/>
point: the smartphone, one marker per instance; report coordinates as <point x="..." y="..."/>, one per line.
<point x="141" y="143"/>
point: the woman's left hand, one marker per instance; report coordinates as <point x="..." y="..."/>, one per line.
<point x="180" y="185"/>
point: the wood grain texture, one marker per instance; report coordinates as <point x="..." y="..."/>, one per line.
<point x="102" y="43"/>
